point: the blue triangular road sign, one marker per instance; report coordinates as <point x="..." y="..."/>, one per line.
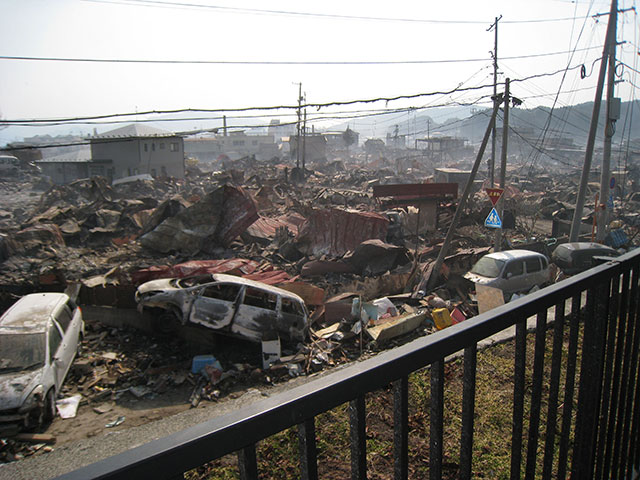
<point x="493" y="220"/>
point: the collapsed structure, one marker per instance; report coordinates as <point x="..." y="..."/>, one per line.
<point x="352" y="239"/>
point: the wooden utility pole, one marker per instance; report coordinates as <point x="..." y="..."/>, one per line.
<point x="492" y="160"/>
<point x="304" y="142"/>
<point x="584" y="179"/>
<point x="429" y="282"/>
<point x="603" y="214"/>
<point x="497" y="245"/>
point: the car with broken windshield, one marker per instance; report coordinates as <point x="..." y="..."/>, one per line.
<point x="227" y="304"/>
<point x="40" y="335"/>
<point x="512" y="271"/>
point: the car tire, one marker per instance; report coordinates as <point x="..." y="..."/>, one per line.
<point x="167" y="323"/>
<point x="49" y="410"/>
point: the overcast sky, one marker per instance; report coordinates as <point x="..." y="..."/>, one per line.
<point x="449" y="39"/>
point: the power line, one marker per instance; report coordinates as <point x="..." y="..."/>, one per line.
<point x="155" y="3"/>
<point x="272" y="62"/>
<point x="277" y="107"/>
<point x="245" y="109"/>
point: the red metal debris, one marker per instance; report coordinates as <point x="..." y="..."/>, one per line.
<point x="233" y="266"/>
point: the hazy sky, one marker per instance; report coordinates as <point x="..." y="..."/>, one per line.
<point x="295" y="31"/>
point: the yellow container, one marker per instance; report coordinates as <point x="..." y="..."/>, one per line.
<point x="441" y="318"/>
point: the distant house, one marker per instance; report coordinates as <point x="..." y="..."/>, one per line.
<point x="69" y="166"/>
<point x="452" y="175"/>
<point x="137" y="149"/>
<point x="444" y="147"/>
<point x="235" y="145"/>
<point x="313" y="148"/>
<point x="337" y="141"/>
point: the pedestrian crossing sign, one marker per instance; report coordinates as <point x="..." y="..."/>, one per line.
<point x="493" y="220"/>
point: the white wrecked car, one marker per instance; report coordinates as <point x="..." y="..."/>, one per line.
<point x="227" y="304"/>
<point x="39" y="337"/>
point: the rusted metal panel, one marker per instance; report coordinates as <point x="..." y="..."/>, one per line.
<point x="334" y="231"/>
<point x="238" y="213"/>
<point x="264" y="228"/>
<point x="233" y="266"/>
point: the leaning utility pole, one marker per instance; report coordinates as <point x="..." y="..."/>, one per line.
<point x="492" y="160"/>
<point x="497" y="245"/>
<point x="603" y="213"/>
<point x="584" y="179"/>
<point x="435" y="271"/>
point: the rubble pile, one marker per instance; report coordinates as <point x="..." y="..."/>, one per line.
<point x="358" y="265"/>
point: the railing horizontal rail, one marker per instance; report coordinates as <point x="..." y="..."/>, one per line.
<point x="240" y="430"/>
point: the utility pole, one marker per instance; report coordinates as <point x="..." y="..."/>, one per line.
<point x="497" y="245"/>
<point x="609" y="43"/>
<point x="298" y="125"/>
<point x="603" y="214"/>
<point x="492" y="160"/>
<point x="428" y="283"/>
<point x="304" y="142"/>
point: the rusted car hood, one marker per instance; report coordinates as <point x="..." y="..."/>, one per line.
<point x="14" y="387"/>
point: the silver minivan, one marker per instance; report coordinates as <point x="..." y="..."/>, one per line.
<point x="512" y="271"/>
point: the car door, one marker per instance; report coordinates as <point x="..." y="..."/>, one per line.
<point x="257" y="313"/>
<point x="214" y="305"/>
<point x="69" y="344"/>
<point x="514" y="275"/>
<point x="54" y="337"/>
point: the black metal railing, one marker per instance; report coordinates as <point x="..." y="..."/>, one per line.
<point x="592" y="390"/>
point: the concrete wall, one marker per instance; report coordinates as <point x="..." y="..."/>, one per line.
<point x="157" y="156"/>
<point x="64" y="172"/>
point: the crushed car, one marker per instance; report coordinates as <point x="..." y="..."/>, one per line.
<point x="512" y="271"/>
<point x="40" y="336"/>
<point x="228" y="304"/>
<point x="576" y="257"/>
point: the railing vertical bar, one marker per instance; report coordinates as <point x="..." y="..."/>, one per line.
<point x="468" y="411"/>
<point x="618" y="380"/>
<point x="436" y="419"/>
<point x="600" y="398"/>
<point x="633" y="457"/>
<point x="569" y="387"/>
<point x="357" y="420"/>
<point x="620" y="446"/>
<point x="536" y="395"/>
<point x="554" y="387"/>
<point x="248" y="463"/>
<point x="581" y="453"/>
<point x="308" y="451"/>
<point x="631" y="415"/>
<point x="401" y="429"/>
<point x="518" y="399"/>
<point x="590" y="383"/>
<point x="611" y="316"/>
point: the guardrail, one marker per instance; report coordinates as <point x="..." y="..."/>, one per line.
<point x="595" y="312"/>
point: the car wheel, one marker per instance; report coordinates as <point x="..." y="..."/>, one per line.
<point x="167" y="323"/>
<point x="49" y="410"/>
